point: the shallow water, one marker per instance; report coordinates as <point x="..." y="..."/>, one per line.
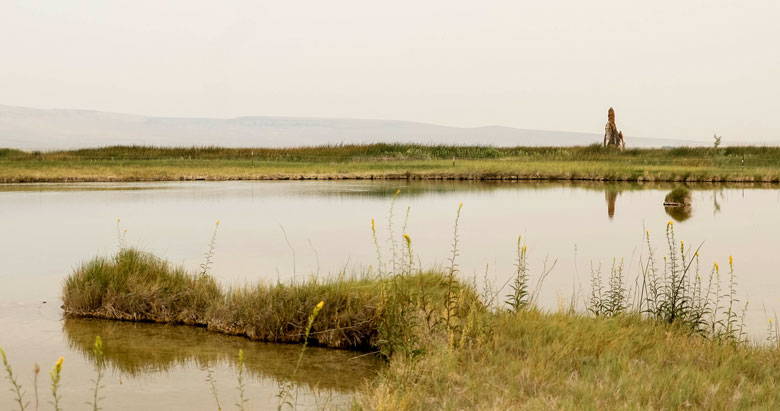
<point x="48" y="229"/>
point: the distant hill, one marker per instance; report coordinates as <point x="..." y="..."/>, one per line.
<point x="39" y="129"/>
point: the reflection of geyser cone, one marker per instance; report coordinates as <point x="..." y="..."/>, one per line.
<point x="611" y="197"/>
<point x="143" y="348"/>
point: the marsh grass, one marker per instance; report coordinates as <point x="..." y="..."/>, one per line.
<point x="674" y="294"/>
<point x="679" y="196"/>
<point x="539" y="360"/>
<point x="138" y="286"/>
<point x="393" y="161"/>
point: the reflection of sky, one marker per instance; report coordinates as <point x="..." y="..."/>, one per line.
<point x="47" y="233"/>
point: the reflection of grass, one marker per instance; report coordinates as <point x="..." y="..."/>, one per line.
<point x="677" y="203"/>
<point x="138" y="348"/>
<point x="396" y="161"/>
<point x="679" y="214"/>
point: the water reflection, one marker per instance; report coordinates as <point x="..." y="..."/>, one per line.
<point x="136" y="349"/>
<point x="715" y="204"/>
<point x="679" y="214"/>
<point x="611" y="194"/>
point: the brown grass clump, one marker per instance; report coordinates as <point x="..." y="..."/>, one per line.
<point x="138" y="286"/>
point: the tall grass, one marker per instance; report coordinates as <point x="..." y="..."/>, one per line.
<point x="755" y="155"/>
<point x="393" y="161"/>
<point x="674" y="294"/>
<point x="680" y="195"/>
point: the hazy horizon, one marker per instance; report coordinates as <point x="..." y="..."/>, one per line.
<point x="671" y="70"/>
<point x="51" y="129"/>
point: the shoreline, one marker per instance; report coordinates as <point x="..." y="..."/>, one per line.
<point x="772" y="180"/>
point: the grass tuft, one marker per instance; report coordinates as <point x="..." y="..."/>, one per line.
<point x="679" y="196"/>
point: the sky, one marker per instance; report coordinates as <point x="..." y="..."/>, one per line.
<point x="671" y="69"/>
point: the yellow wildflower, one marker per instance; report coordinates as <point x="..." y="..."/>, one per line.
<point x="58" y="365"/>
<point x="373" y="225"/>
<point x="407" y="238"/>
<point x="217" y="222"/>
<point x="316" y="311"/>
<point x="731" y="260"/>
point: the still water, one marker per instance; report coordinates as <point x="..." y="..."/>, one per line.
<point x="272" y="231"/>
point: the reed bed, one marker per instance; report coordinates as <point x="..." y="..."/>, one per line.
<point x="137" y="286"/>
<point x="393" y="161"/>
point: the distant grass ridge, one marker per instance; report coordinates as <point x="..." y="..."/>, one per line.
<point x="754" y="155"/>
<point x="392" y="161"/>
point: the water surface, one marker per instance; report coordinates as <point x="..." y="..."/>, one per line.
<point x="49" y="229"/>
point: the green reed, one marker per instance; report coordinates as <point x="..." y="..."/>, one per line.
<point x="56" y="379"/>
<point x="99" y="367"/>
<point x="520" y="297"/>
<point x="204" y="268"/>
<point x="675" y="294"/>
<point x="16" y="388"/>
<point x="286" y="388"/>
<point x="241" y="387"/>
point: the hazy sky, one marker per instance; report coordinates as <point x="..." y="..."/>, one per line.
<point x="673" y="69"/>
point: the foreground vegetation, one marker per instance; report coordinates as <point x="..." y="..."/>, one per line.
<point x="527" y="357"/>
<point x="137" y="286"/>
<point x="676" y="341"/>
<point x="536" y="360"/>
<point x="393" y="161"/>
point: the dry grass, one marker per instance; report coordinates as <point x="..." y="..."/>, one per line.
<point x="393" y="161"/>
<point x="137" y="286"/>
<point x="535" y="360"/>
<point x="678" y="196"/>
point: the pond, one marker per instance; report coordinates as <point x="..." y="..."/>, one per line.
<point x="286" y="231"/>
